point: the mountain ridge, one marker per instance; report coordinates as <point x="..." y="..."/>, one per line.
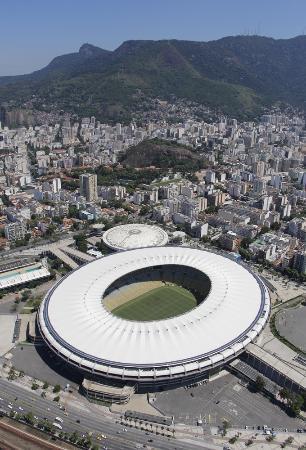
<point x="236" y="75"/>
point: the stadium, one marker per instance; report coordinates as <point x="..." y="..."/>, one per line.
<point x="134" y="235"/>
<point x="154" y="318"/>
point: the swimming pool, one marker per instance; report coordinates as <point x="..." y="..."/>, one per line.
<point x="14" y="273"/>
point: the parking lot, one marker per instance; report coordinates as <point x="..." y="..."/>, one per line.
<point x="224" y="399"/>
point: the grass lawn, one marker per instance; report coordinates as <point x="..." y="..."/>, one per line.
<point x="160" y="303"/>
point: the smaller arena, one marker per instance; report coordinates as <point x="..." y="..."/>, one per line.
<point x="134" y="235"/>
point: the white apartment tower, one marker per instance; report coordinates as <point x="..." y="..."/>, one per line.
<point x="56" y="185"/>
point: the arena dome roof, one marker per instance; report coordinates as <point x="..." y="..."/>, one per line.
<point x="131" y="236"/>
<point x="75" y="323"/>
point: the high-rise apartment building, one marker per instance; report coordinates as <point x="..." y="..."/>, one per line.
<point x="15" y="231"/>
<point x="259" y="168"/>
<point x="88" y="186"/>
<point x="300" y="261"/>
<point x="56" y="185"/>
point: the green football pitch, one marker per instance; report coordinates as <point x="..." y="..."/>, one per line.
<point x="160" y="303"/>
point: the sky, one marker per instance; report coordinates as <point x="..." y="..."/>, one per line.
<point x="33" y="32"/>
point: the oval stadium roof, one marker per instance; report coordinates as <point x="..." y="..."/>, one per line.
<point x="75" y="323"/>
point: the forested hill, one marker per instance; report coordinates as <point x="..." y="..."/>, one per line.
<point x="236" y="75"/>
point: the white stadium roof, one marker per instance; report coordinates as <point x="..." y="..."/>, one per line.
<point x="131" y="236"/>
<point x="75" y="323"/>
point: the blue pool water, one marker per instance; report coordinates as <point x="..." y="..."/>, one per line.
<point x="18" y="272"/>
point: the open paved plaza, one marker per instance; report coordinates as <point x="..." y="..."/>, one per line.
<point x="224" y="399"/>
<point x="285" y="289"/>
<point x="7" y="323"/>
<point x="291" y="323"/>
<point x="41" y="364"/>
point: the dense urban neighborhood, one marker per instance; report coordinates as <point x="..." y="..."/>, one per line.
<point x="237" y="186"/>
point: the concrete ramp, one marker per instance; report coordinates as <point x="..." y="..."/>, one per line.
<point x="63" y="257"/>
<point x="80" y="256"/>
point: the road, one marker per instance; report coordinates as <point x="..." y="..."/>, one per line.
<point x="31" y="249"/>
<point x="90" y="421"/>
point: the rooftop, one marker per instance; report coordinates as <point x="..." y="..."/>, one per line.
<point x="127" y="237"/>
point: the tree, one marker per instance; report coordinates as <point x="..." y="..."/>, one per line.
<point x="234" y="439"/>
<point x="12" y="374"/>
<point x="225" y="427"/>
<point x="20" y="243"/>
<point x="245" y="243"/>
<point x="51" y="229"/>
<point x="288" y="441"/>
<point x="259" y="383"/>
<point x="74" y="437"/>
<point x="245" y="254"/>
<point x="29" y="418"/>
<point x="211" y="209"/>
<point x="116" y="203"/>
<point x="82" y="246"/>
<point x="6" y="201"/>
<point x="284" y="394"/>
<point x="264" y="230"/>
<point x="47" y="425"/>
<point x="303" y="394"/>
<point x="145" y="209"/>
<point x="35" y="304"/>
<point x="270" y="438"/>
<point x="76" y="226"/>
<point x="56" y="388"/>
<point x="26" y="295"/>
<point x="275" y="226"/>
<point x="80" y="242"/>
<point x="73" y="212"/>
<point x="295" y="403"/>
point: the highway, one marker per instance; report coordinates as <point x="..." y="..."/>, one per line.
<point x="90" y="420"/>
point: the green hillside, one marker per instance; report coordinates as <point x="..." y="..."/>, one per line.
<point x="236" y="75"/>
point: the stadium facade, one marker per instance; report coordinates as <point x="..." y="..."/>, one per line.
<point x="77" y="325"/>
